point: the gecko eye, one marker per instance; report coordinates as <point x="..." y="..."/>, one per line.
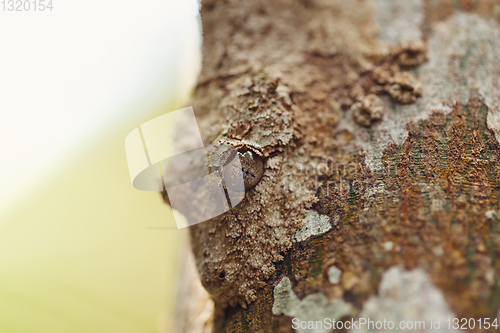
<point x="252" y="167"/>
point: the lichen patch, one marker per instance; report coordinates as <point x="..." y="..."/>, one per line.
<point x="314" y="224"/>
<point x="406" y="296"/>
<point x="312" y="308"/>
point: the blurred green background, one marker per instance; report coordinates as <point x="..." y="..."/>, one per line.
<point x="76" y="254"/>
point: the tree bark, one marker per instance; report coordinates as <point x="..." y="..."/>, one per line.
<point x="379" y="125"/>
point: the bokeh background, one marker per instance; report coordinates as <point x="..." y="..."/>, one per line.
<point x="76" y="250"/>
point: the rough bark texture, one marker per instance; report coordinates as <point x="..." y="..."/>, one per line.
<point x="379" y="124"/>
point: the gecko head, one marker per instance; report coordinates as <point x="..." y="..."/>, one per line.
<point x="236" y="252"/>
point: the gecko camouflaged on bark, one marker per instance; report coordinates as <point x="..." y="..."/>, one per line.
<point x="271" y="87"/>
<point x="380" y="192"/>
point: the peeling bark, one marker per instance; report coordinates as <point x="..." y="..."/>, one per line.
<point x="379" y="123"/>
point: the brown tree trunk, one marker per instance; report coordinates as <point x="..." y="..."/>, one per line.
<point x="379" y="125"/>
